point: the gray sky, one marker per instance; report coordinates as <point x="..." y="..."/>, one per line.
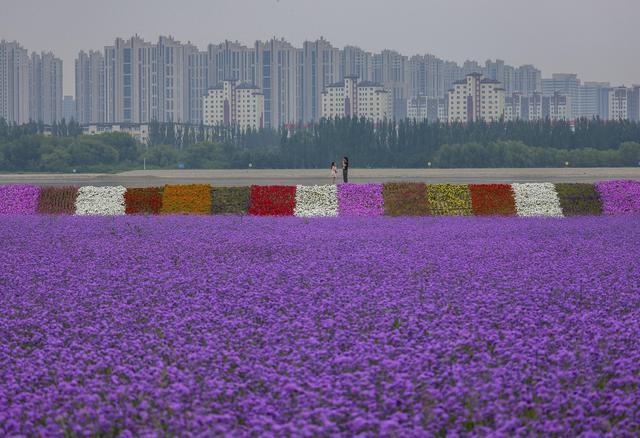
<point x="597" y="39"/>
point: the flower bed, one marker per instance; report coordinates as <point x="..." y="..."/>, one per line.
<point x="578" y="199"/>
<point x="57" y="200"/>
<point x="272" y="200"/>
<point x="146" y="200"/>
<point x="405" y="199"/>
<point x="360" y="200"/>
<point x="619" y="196"/>
<point x="449" y="199"/>
<point x="106" y="201"/>
<point x="536" y="199"/>
<point x="492" y="199"/>
<point x="19" y="199"/>
<point x="186" y="199"/>
<point x="230" y="200"/>
<point x="316" y="201"/>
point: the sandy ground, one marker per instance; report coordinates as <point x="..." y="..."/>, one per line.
<point x="142" y="178"/>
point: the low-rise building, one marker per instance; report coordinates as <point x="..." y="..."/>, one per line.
<point x="350" y="98"/>
<point x="234" y="104"/>
<point x="139" y="131"/>
<point x="427" y="108"/>
<point x="556" y="107"/>
<point x="476" y="98"/>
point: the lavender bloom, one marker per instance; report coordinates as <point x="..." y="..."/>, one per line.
<point x="254" y="326"/>
<point x="19" y="199"/>
<point x="619" y="196"/>
<point x="360" y="200"/>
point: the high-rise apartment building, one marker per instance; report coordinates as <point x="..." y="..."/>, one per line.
<point x="567" y="84"/>
<point x="634" y="103"/>
<point x="146" y="81"/>
<point x="556" y="107"/>
<point x="45" y="88"/>
<point x="356" y="62"/>
<point x="14" y="82"/>
<point x="476" y="98"/>
<point x="528" y="80"/>
<point x="90" y="87"/>
<point x="589" y="96"/>
<point x="390" y="69"/>
<point x="351" y="98"/>
<point x="69" y="108"/>
<point x="277" y="75"/>
<point x="321" y="68"/>
<point x="618" y="103"/>
<point x="198" y="82"/>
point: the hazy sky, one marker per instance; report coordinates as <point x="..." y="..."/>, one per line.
<point x="599" y="40"/>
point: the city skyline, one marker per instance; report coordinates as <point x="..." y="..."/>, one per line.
<point x="570" y="36"/>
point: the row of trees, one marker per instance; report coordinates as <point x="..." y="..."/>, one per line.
<point x="388" y="144"/>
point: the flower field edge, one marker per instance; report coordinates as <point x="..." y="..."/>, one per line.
<point x="371" y="199"/>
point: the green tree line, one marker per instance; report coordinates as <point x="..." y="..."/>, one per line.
<point x="25" y="148"/>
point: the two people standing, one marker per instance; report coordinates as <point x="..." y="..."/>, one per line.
<point x="345" y="170"/>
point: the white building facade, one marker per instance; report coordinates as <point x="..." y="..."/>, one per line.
<point x="232" y="104"/>
<point x="350" y="98"/>
<point x="476" y="98"/>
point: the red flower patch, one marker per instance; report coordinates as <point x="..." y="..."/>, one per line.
<point x="492" y="199"/>
<point x="272" y="200"/>
<point x="143" y="200"/>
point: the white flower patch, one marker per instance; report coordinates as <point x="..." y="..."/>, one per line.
<point x="105" y="201"/>
<point x="537" y="199"/>
<point x="316" y="201"/>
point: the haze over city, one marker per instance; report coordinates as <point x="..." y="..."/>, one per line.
<point x="590" y="38"/>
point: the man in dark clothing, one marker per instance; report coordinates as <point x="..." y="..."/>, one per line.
<point x="345" y="169"/>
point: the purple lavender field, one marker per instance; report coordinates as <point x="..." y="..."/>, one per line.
<point x="268" y="326"/>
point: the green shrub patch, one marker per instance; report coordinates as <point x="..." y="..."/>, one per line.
<point x="405" y="199"/>
<point x="230" y="200"/>
<point x="579" y="199"/>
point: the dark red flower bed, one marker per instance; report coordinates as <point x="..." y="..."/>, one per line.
<point x="405" y="199"/>
<point x="57" y="200"/>
<point x="143" y="200"/>
<point x="492" y="199"/>
<point x="272" y="200"/>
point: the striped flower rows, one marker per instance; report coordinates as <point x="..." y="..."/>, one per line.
<point x="390" y="199"/>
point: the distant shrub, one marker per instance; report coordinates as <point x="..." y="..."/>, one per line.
<point x="19" y="199"/>
<point x="146" y="200"/>
<point x="578" y="199"/>
<point x="492" y="199"/>
<point x="186" y="199"/>
<point x="619" y="196"/>
<point x="312" y="201"/>
<point x="536" y="199"/>
<point x="272" y="200"/>
<point x="104" y="201"/>
<point x="449" y="200"/>
<point x="230" y="200"/>
<point x="405" y="199"/>
<point x="57" y="200"/>
<point x="360" y="200"/>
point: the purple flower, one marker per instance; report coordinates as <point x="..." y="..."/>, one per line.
<point x="262" y="326"/>
<point x="19" y="199"/>
<point x="360" y="200"/>
<point x="619" y="196"/>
